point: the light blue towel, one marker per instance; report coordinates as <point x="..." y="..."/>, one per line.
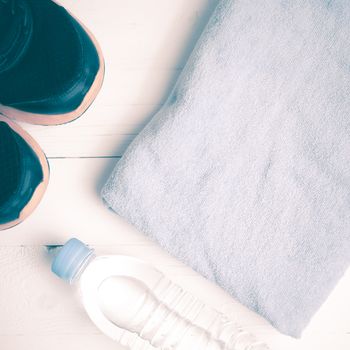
<point x="244" y="174"/>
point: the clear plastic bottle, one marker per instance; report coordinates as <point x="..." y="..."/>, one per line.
<point x="136" y="305"/>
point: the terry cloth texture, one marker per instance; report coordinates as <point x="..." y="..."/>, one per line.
<point x="244" y="174"/>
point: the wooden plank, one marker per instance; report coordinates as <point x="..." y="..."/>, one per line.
<point x="125" y="104"/>
<point x="58" y="342"/>
<point x="145" y="33"/>
<point x="100" y="342"/>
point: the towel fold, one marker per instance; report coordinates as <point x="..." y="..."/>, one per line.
<point x="244" y="174"/>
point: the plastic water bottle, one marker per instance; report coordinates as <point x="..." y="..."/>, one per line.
<point x="136" y="305"/>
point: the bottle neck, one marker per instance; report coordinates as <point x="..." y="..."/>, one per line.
<point x="84" y="264"/>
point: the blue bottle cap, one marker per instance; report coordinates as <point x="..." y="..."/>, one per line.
<point x="71" y="259"/>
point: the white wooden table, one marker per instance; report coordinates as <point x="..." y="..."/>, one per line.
<point x="145" y="43"/>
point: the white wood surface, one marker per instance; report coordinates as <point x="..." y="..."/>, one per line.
<point x="146" y="43"/>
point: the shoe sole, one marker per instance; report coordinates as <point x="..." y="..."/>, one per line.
<point x="57" y="119"/>
<point x="41" y="188"/>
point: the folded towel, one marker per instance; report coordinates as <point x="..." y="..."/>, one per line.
<point x="244" y="174"/>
